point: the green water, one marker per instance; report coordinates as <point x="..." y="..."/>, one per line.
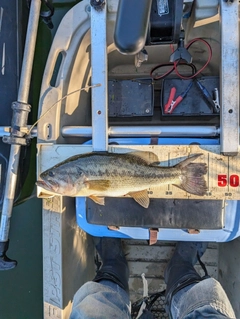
<point x="21" y="289"/>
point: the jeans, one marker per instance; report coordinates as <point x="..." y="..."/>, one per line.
<point x="101" y="301"/>
<point x="206" y="299"/>
<point x="106" y="300"/>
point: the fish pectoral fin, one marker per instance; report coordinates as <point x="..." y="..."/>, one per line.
<point x="98" y="200"/>
<point x="148" y="157"/>
<point x="155" y="164"/>
<point x="97" y="185"/>
<point x="140" y="197"/>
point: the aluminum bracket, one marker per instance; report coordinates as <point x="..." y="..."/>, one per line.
<point x="229" y="77"/>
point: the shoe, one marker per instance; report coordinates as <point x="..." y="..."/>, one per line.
<point x="114" y="265"/>
<point x="180" y="271"/>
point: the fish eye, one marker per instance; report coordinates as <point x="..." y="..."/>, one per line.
<point x="51" y="174"/>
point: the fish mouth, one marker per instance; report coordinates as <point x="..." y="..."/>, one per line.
<point x="48" y="185"/>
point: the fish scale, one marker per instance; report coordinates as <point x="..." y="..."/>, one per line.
<point x="141" y="168"/>
<point x="99" y="175"/>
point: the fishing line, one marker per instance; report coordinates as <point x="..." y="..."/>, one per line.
<point x="64" y="97"/>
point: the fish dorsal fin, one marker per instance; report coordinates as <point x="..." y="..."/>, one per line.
<point x="148" y="157"/>
<point x="98" y="200"/>
<point x="141" y="197"/>
<point x="97" y="185"/>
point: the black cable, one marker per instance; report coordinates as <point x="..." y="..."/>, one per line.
<point x="179" y="63"/>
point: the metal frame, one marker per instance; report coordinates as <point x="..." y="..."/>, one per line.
<point x="99" y="75"/>
<point x="145" y="131"/>
<point x="229" y="77"/>
<point x="133" y="131"/>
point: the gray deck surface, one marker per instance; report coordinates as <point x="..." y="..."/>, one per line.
<point x="152" y="261"/>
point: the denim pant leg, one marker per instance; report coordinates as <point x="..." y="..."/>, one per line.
<point x="104" y="300"/>
<point x="206" y="299"/>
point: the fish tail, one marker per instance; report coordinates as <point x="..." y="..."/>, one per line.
<point x="192" y="176"/>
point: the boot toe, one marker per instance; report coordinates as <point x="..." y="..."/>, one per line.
<point x="189" y="250"/>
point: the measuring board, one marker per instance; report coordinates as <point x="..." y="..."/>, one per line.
<point x="222" y="177"/>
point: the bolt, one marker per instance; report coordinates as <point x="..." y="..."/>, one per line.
<point x="97" y="4"/>
<point x="88" y="9"/>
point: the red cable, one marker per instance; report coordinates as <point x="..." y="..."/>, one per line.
<point x="169" y="71"/>
<point x="175" y="64"/>
<point x="204" y="66"/>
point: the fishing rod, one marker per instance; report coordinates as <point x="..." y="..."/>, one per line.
<point x="17" y="137"/>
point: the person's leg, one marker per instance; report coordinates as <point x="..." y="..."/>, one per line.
<point x="188" y="295"/>
<point x="101" y="300"/>
<point x="107" y="295"/>
<point x="206" y="299"/>
<point x="114" y="264"/>
<point x="180" y="271"/>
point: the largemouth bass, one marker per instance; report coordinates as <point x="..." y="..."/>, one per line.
<point x="98" y="175"/>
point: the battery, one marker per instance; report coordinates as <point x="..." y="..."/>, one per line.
<point x="127" y="98"/>
<point x="194" y="103"/>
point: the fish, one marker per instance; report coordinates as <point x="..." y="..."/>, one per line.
<point x="102" y="174"/>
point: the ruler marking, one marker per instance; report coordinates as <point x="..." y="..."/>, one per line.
<point x="208" y="182"/>
<point x="168" y="166"/>
<point x="228" y="174"/>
